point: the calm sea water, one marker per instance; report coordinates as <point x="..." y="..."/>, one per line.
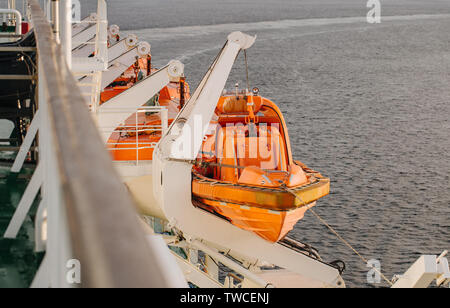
<point x="366" y="105"/>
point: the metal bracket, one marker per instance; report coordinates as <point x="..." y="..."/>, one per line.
<point x="443" y="269"/>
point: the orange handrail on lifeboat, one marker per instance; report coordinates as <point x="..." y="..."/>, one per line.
<point x="136" y="142"/>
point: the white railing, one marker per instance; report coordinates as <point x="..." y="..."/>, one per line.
<point x="11" y="17"/>
<point x="137" y="127"/>
<point x="93" y="67"/>
<point x="17" y="20"/>
<point x="86" y="223"/>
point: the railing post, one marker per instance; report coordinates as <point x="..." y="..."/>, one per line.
<point x="164" y="120"/>
<point x="55" y="18"/>
<point x="66" y="30"/>
<point x="137" y="137"/>
<point x="101" y="47"/>
<point x="57" y="244"/>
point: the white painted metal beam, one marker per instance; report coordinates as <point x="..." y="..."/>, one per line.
<point x="256" y="280"/>
<point x="122" y="46"/>
<point x="85" y="50"/>
<point x="115" y="111"/>
<point x="119" y="65"/>
<point x="88" y="48"/>
<point x="101" y="43"/>
<point x="423" y="272"/>
<point x="25" y="204"/>
<point x="84" y="24"/>
<point x="40" y="228"/>
<point x="83" y="64"/>
<point x="84" y="36"/>
<point x="66" y="30"/>
<point x="42" y="278"/>
<point x="444" y="270"/>
<point x="165" y="260"/>
<point x="26" y="145"/>
<point x="200" y="108"/>
<point x="87" y="65"/>
<point x="194" y="275"/>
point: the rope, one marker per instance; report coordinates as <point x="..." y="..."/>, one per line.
<point x="285" y="188"/>
<point x="323" y="221"/>
<point x="246" y="70"/>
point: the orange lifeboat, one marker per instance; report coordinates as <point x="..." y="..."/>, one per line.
<point x="135" y="141"/>
<point x="245" y="172"/>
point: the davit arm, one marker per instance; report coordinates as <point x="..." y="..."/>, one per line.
<point x="115" y="111"/>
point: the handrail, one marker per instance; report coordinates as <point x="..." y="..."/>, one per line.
<point x="137" y="128"/>
<point x="105" y="234"/>
<point x="18" y="18"/>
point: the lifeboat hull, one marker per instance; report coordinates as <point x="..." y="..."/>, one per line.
<point x="132" y="148"/>
<point x="260" y="197"/>
<point x="270" y="225"/>
<point x="269" y="213"/>
<point x="110" y="93"/>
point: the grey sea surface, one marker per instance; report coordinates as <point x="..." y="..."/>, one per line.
<point x="366" y="104"/>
